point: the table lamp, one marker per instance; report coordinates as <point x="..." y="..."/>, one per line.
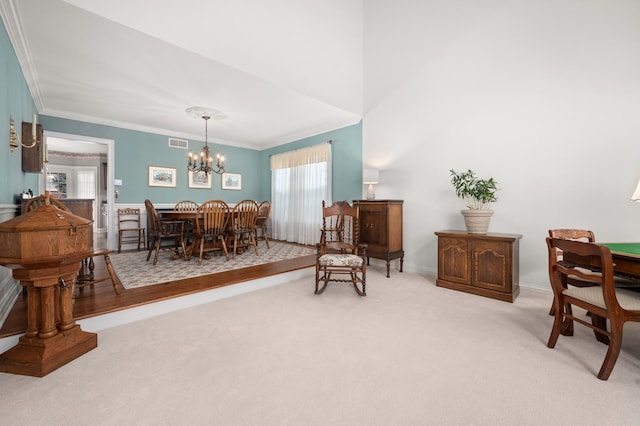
<point x="636" y="193"/>
<point x="370" y="177"/>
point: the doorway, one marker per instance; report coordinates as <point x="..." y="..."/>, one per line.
<point x="84" y="162"/>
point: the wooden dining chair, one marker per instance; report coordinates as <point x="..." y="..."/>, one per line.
<point x="616" y="305"/>
<point x="342" y="259"/>
<point x="130" y="230"/>
<point x="243" y="226"/>
<point x="160" y="230"/>
<point x="211" y="228"/>
<point x="187" y="206"/>
<point x="576" y="235"/>
<point x="264" y="210"/>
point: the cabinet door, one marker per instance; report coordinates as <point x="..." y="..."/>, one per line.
<point x="373" y="226"/>
<point x="453" y="260"/>
<point x="491" y="265"/>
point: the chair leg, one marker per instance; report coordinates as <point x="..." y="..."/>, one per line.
<point x="235" y="245"/>
<point x="601" y="323"/>
<point x="555" y="330"/>
<point x="264" y="235"/>
<point x="252" y="238"/>
<point x="567" y="325"/>
<point x="612" y="353"/>
<point x="325" y="281"/>
<point x="151" y="246"/>
<point x="224" y="246"/>
<point x="201" y="251"/>
<point x="112" y="274"/>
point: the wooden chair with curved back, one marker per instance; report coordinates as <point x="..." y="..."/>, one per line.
<point x="576" y="235"/>
<point x="619" y="280"/>
<point x="264" y="210"/>
<point x="211" y="227"/>
<point x="243" y="225"/>
<point x="604" y="299"/>
<point x="187" y="206"/>
<point x="160" y="230"/>
<point x="343" y="255"/>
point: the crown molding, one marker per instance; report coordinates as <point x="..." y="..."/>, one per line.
<point x="14" y="26"/>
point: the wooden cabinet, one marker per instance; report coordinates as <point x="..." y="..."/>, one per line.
<point x="381" y="229"/>
<point x="486" y="265"/>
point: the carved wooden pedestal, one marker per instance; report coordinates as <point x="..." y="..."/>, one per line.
<point x="44" y="249"/>
<point x="52" y="338"/>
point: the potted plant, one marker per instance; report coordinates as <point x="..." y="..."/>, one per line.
<point x="478" y="194"/>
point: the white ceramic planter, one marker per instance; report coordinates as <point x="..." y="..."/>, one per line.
<point x="477" y="221"/>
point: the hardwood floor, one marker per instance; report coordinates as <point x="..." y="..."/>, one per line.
<point x="102" y="299"/>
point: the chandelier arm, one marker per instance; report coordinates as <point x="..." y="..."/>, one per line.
<point x="206" y="160"/>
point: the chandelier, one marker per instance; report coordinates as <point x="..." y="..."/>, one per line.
<point x="204" y="164"/>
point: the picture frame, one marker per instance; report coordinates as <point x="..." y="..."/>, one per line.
<point x="200" y="180"/>
<point x="232" y="181"/>
<point x="162" y="176"/>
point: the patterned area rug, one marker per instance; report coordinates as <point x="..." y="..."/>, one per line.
<point x="134" y="270"/>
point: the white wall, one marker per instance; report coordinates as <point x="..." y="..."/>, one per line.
<point x="543" y="95"/>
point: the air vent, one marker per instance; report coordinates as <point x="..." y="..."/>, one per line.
<point x="178" y="143"/>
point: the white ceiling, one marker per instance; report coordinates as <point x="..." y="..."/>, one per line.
<point x="280" y="70"/>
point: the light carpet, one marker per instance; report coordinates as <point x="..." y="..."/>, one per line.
<point x="409" y="353"/>
<point x="134" y="270"/>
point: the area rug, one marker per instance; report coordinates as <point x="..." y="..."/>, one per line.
<point x="134" y="270"/>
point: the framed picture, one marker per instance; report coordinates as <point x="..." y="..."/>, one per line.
<point x="232" y="181"/>
<point x="199" y="180"/>
<point x="162" y="176"/>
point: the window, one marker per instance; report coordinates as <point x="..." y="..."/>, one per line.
<point x="300" y="181"/>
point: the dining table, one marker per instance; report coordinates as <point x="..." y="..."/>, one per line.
<point x="625" y="256"/>
<point x="187" y="217"/>
<point x="191" y="217"/>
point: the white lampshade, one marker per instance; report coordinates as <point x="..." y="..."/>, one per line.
<point x="636" y="193"/>
<point x="370" y="176"/>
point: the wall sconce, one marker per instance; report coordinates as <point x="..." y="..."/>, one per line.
<point x="14" y="137"/>
<point x="370" y="177"/>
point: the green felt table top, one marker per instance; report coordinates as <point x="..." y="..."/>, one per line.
<point x="625" y="248"/>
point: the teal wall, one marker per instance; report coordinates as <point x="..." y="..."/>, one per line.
<point x="135" y="151"/>
<point x="15" y="101"/>
<point x="346" y="158"/>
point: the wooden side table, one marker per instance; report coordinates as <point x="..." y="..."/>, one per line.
<point x="486" y="265"/>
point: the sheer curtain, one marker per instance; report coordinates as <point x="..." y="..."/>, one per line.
<point x="300" y="181"/>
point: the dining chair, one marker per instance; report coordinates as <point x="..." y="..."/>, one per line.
<point x="343" y="258"/>
<point x="243" y="226"/>
<point x="264" y="210"/>
<point x="162" y="230"/>
<point x="130" y="231"/>
<point x="616" y="305"/>
<point x="211" y="228"/>
<point x="620" y="281"/>
<point x="576" y="235"/>
<point x="187" y="206"/>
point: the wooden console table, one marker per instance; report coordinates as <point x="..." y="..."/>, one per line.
<point x="486" y="265"/>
